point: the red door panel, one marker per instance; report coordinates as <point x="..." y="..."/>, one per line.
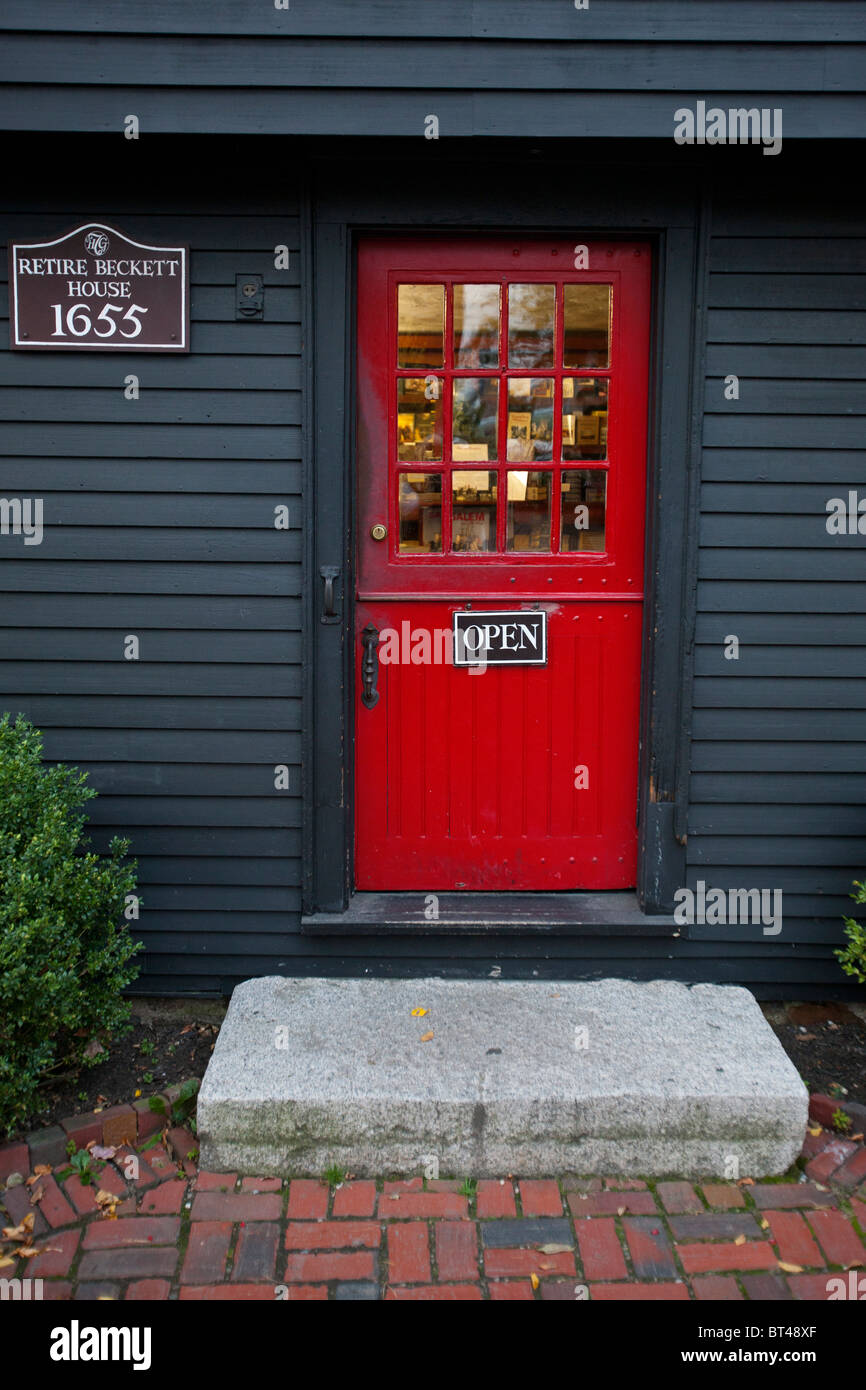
<point x="502" y="447"/>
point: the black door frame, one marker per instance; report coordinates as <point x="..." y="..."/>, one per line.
<point x="344" y="202"/>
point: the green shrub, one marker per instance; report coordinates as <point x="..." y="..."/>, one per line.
<point x="853" y="957"/>
<point x="65" y="950"/>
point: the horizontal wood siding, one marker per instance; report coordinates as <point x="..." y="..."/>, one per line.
<point x="159" y="521"/>
<point x="484" y="67"/>
<point x="778" y="761"/>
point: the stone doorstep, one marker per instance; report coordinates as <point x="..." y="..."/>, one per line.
<point x="496" y="1076"/>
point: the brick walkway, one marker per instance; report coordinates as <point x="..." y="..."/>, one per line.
<point x="176" y="1232"/>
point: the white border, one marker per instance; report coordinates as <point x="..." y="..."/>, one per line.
<point x="499" y="613"/>
<point x="126" y="346"/>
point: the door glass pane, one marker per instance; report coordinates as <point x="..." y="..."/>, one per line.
<point x="582" y="501"/>
<point x="476" y="325"/>
<point x="473" y="510"/>
<point x="420" y="512"/>
<point x="420" y="325"/>
<point x="584" y="417"/>
<point x="419" y="418"/>
<point x="473" y="431"/>
<point x="529" y="429"/>
<point x="586" y="339"/>
<point x="531" y="311"/>
<point x="528" y="519"/>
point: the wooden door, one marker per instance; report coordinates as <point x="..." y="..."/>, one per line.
<point x="501" y="474"/>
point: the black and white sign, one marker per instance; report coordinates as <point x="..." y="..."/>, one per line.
<point x="500" y="639"/>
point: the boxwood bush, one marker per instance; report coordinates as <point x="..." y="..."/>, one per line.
<point x="65" y="949"/>
<point x="853" y="957"/>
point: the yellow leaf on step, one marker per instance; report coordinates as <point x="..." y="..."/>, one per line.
<point x="741" y="1240"/>
<point x="790" y="1269"/>
<point x="418" y="1013"/>
<point x="425" y="1037"/>
<point x="534" y="1280"/>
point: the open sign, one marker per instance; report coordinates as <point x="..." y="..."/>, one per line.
<point x="500" y="639"/>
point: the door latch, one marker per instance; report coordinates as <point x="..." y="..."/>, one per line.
<point x="330" y="574"/>
<point x="370" y="666"/>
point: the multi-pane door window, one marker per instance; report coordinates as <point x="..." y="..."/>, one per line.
<point x="502" y="393"/>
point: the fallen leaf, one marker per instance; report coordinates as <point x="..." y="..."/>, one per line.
<point x="425" y="1037"/>
<point x="806" y="1037"/>
<point x="137" y="1094"/>
<point x="554" y="1249"/>
<point x="790" y="1269"/>
<point x="764" y="1224"/>
<point x="15" y="1180"/>
<point x="187" y="1029"/>
<point x="103" y="1151"/>
<point x="620" y="1211"/>
<point x="815" y="1132"/>
<point x="5" y="1262"/>
<point x="740" y="1240"/>
<point x="534" y="1280"/>
<point x="821" y="1188"/>
<point x="22" y="1231"/>
<point x="40" y="1171"/>
<point x="36" y="1195"/>
<point x="745" y="1182"/>
<point x="856" y="1138"/>
<point x="855" y="1264"/>
<point x="418" y="1013"/>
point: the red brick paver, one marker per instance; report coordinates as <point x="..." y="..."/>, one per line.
<point x="214" y="1236"/>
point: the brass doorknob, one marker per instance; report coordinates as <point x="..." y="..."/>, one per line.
<point x="378" y="532"/>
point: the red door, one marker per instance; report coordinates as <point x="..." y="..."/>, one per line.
<point x="501" y="471"/>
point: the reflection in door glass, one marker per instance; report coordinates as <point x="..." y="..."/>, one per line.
<point x="420" y="325"/>
<point x="528" y="521"/>
<point x="476" y="325"/>
<point x="419" y="418"/>
<point x="473" y="510"/>
<point x="420" y="512"/>
<point x="586" y="339"/>
<point x="530" y="419"/>
<point x="531" y="313"/>
<point x="582" y="503"/>
<point x="584" y="417"/>
<point x="474" y="420"/>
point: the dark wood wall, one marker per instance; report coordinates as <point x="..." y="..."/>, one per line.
<point x="159" y="521"/>
<point x="778" y="753"/>
<point x="533" y="68"/>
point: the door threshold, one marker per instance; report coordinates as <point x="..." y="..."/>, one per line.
<point x="489" y="914"/>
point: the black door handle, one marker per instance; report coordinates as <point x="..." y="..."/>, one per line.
<point x="370" y="666"/>
<point x="330" y="574"/>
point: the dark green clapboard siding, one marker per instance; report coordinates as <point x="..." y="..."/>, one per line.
<point x="778" y="757"/>
<point x="485" y="67"/>
<point x="159" y="517"/>
<point x="676" y="21"/>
